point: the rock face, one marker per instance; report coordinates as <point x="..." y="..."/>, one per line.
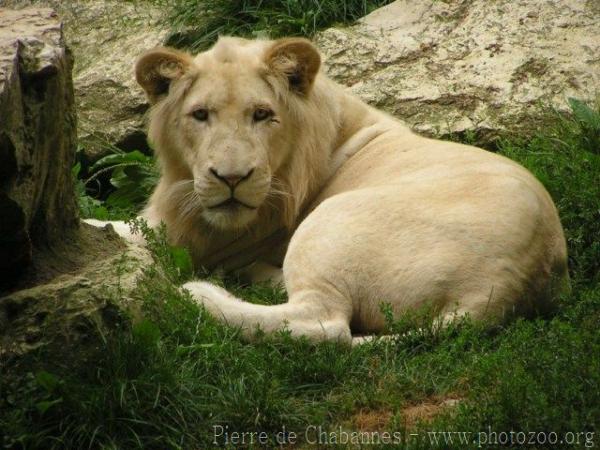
<point x="477" y="65"/>
<point x="37" y="137"/>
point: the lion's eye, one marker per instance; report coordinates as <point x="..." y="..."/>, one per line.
<point x="262" y="114"/>
<point x="201" y="115"/>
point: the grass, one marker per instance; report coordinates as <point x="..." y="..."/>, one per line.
<point x="173" y="379"/>
<point x="197" y="24"/>
<point x="566" y="159"/>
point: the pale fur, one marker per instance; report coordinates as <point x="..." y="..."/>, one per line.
<point x="375" y="213"/>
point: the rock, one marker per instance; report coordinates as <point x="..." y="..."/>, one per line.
<point x="73" y="308"/>
<point x="37" y="138"/>
<point x="58" y="277"/>
<point x="107" y="37"/>
<point x="469" y="65"/>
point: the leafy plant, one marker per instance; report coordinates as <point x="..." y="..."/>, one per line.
<point x="133" y="175"/>
<point x="89" y="207"/>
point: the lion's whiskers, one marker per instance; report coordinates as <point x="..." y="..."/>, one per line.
<point x="190" y="205"/>
<point x="189" y="202"/>
<point x="181" y="185"/>
<point x="278" y="193"/>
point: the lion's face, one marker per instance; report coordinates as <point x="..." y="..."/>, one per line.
<point x="229" y="123"/>
<point x="225" y="121"/>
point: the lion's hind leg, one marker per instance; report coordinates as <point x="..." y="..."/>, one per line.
<point x="308" y="318"/>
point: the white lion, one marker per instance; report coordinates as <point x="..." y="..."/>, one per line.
<point x="266" y="163"/>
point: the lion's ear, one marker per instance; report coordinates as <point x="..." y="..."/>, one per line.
<point x="157" y="68"/>
<point x="296" y="59"/>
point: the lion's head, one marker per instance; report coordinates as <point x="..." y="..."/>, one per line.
<point x="238" y="123"/>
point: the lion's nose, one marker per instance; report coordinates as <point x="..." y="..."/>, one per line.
<point x="231" y="179"/>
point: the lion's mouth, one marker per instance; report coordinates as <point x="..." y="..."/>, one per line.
<point x="232" y="204"/>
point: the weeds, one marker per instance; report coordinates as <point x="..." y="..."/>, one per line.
<point x="586" y="124"/>
<point x="564" y="160"/>
<point x="201" y="22"/>
<point x="131" y="178"/>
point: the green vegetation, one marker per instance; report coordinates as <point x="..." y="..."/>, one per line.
<point x="169" y="380"/>
<point x="199" y="23"/>
<point x="585" y="124"/>
<point x="133" y="176"/>
<point x="566" y="159"/>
